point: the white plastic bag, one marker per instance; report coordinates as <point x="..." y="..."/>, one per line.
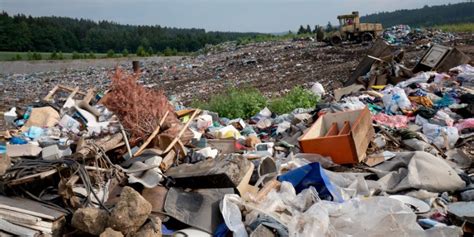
<point x="436" y="134"/>
<point x="420" y="78"/>
<point x="318" y="89"/>
<point x="232" y="215"/>
<point x="395" y="98"/>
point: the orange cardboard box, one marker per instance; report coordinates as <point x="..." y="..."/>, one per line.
<point x="348" y="145"/>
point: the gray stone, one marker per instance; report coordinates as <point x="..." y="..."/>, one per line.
<point x="109" y="232"/>
<point x="151" y="229"/>
<point x="130" y="212"/>
<point x="90" y="220"/>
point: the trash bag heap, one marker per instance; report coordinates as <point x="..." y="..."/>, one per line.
<point x="391" y="154"/>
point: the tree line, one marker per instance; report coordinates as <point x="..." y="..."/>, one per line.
<point x="426" y="16"/>
<point x="62" y="34"/>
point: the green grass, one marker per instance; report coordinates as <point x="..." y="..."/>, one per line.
<point x="461" y="27"/>
<point x="13" y="56"/>
<point x="298" y="97"/>
<point x="271" y="38"/>
<point x="247" y="102"/>
<point x="234" y="103"/>
<point x="7" y="56"/>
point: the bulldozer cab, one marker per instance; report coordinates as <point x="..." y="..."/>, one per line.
<point x="349" y="20"/>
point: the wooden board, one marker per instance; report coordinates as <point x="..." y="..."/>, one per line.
<point x="379" y="49"/>
<point x="29" y="207"/>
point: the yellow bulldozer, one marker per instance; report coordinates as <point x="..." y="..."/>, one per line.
<point x="352" y="30"/>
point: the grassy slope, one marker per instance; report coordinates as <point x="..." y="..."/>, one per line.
<point x="6" y="56"/>
<point x="461" y="27"/>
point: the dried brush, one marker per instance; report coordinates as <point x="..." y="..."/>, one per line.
<point x="139" y="109"/>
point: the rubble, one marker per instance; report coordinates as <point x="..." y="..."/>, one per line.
<point x="109" y="232"/>
<point x="90" y="220"/>
<point x="392" y="152"/>
<point x="130" y="213"/>
<point x="404" y="35"/>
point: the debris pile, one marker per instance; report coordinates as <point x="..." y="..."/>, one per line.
<point x="404" y="35"/>
<point x="391" y="152"/>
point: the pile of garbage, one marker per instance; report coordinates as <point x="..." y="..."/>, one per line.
<point x="403" y="35"/>
<point x="390" y="153"/>
<point x="272" y="67"/>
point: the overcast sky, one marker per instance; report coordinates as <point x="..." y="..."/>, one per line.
<point x="270" y="16"/>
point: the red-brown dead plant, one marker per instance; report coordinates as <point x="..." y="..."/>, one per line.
<point x="139" y="109"/>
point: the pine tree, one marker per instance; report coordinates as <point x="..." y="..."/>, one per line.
<point x="301" y="30"/>
<point x="329" y="27"/>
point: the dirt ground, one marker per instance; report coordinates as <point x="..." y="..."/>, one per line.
<point x="272" y="67"/>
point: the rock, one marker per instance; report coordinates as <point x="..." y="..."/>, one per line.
<point x="90" y="220"/>
<point x="130" y="212"/>
<point x="109" y="232"/>
<point x="151" y="229"/>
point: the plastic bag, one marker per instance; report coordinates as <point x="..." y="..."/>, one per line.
<point x="312" y="175"/>
<point x="420" y="78"/>
<point x="312" y="223"/>
<point x="436" y="134"/>
<point x="394" y="99"/>
<point x="232" y="215"/>
<point x="441" y="115"/>
<point x="318" y="89"/>
<point x="466" y="123"/>
<point x="352" y="103"/>
<point x="376" y="216"/>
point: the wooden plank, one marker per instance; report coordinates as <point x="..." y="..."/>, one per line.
<point x="332" y="131"/>
<point x="29" y="207"/>
<point x="346" y="128"/>
<point x="73" y="93"/>
<point x="175" y="140"/>
<point x="18" y="217"/>
<point x="70" y="89"/>
<point x="13" y="217"/>
<point x="28" y="178"/>
<point x="36" y="227"/>
<point x="168" y="161"/>
<point x="379" y="49"/>
<point x="153" y="135"/>
<point x="16" y="229"/>
<point x="51" y="93"/>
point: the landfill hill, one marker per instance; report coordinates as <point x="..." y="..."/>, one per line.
<point x="426" y="16"/>
<point x="272" y="67"/>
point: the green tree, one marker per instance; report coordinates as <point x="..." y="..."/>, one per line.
<point x="150" y="51"/>
<point x="53" y="56"/>
<point x="308" y="29"/>
<point x="110" y="53"/>
<point x="76" y="55"/>
<point x="37" y="56"/>
<point x="60" y="55"/>
<point x="141" y="51"/>
<point x="329" y="27"/>
<point x="170" y="52"/>
<point x="29" y="55"/>
<point x="125" y="52"/>
<point x="91" y="55"/>
<point x="301" y="30"/>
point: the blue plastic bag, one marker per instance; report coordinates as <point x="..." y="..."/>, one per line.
<point x="312" y="175"/>
<point x="18" y="141"/>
